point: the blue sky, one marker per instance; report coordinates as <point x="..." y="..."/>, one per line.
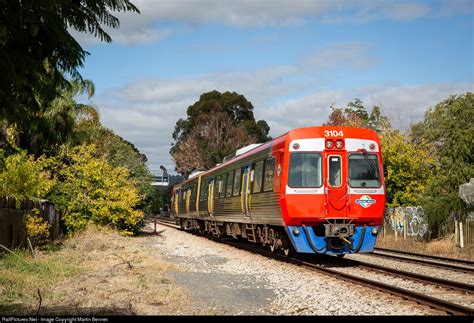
<point x="291" y="59"/>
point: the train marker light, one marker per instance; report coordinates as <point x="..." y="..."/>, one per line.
<point x="372" y="146"/>
<point x="339" y="144"/>
<point x="329" y="143"/>
<point x="296" y="146"/>
<point x="375" y="231"/>
<point x="296" y="231"/>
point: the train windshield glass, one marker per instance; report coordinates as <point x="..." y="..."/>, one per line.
<point x="305" y="170"/>
<point x="364" y="170"/>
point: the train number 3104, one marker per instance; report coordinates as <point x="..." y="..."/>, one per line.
<point x="333" y="133"/>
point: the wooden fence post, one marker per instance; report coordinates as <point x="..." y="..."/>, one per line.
<point x="461" y="236"/>
<point x="456" y="232"/>
<point x="405" y="229"/>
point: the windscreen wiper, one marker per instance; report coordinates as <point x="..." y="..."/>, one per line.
<point x="372" y="166"/>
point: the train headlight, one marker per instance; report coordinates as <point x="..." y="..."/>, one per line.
<point x="375" y="231"/>
<point x="339" y="144"/>
<point x="329" y="143"/>
<point x="296" y="232"/>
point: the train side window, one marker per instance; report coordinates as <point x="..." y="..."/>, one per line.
<point x="230" y="176"/>
<point x="201" y="191"/>
<point x="206" y="189"/>
<point x="218" y="186"/>
<point x="237" y="181"/>
<point x="224" y="182"/>
<point x="269" y="174"/>
<point x="257" y="177"/>
<point x="335" y="176"/>
<point x="193" y="194"/>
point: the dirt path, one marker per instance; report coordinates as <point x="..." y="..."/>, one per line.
<point x="100" y="272"/>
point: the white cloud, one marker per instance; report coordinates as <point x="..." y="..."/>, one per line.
<point x="451" y="7"/>
<point x="146" y="112"/>
<point x="353" y="54"/>
<point x="142" y="28"/>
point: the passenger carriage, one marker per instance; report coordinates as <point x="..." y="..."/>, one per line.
<point x="312" y="190"/>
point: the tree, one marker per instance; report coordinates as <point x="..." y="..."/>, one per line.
<point x="450" y="127"/>
<point x="356" y="115"/>
<point x="24" y="177"/>
<point x="217" y="124"/>
<point x="119" y="153"/>
<point x="410" y="166"/>
<point x="37" y="52"/>
<point x="89" y="189"/>
<point x="55" y="125"/>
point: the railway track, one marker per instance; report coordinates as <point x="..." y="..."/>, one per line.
<point x="420" y="298"/>
<point x="450" y="263"/>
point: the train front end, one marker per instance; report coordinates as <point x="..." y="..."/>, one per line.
<point x="333" y="199"/>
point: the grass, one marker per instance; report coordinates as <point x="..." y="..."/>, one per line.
<point x="96" y="271"/>
<point x="444" y="247"/>
<point x="21" y="275"/>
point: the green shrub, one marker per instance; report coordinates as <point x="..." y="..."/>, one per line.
<point x="89" y="189"/>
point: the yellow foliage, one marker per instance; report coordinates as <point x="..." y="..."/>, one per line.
<point x="410" y="165"/>
<point x="24" y="177"/>
<point x="36" y="226"/>
<point x="92" y="190"/>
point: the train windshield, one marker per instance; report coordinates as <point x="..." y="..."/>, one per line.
<point x="364" y="170"/>
<point x="305" y="170"/>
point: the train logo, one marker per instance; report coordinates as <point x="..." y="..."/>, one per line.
<point x="365" y="201"/>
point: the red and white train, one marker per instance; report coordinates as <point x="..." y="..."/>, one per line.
<point x="312" y="190"/>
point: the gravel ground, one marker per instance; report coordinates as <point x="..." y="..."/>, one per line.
<point x="225" y="280"/>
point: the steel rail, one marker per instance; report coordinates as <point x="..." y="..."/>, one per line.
<point x="447" y="259"/>
<point x="422" y="261"/>
<point x="459" y="286"/>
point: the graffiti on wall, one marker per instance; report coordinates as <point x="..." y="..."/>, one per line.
<point x="411" y="216"/>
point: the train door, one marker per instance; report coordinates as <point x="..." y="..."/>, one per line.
<point x="245" y="192"/>
<point x="336" y="180"/>
<point x="210" y="196"/>
<point x="176" y="201"/>
<point x="198" y="195"/>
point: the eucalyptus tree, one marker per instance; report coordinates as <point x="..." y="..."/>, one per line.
<point x="216" y="125"/>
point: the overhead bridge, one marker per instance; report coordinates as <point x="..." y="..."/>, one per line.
<point x="160" y="181"/>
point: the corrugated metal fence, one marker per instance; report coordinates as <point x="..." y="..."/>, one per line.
<point x="12" y="220"/>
